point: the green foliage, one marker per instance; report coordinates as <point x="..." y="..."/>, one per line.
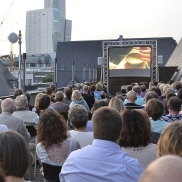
<point x="48" y="78"/>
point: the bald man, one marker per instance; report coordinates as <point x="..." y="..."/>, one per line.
<point x="165" y="169"/>
<point x="131" y="98"/>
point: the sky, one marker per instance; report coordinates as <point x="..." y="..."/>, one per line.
<point x="100" y="19"/>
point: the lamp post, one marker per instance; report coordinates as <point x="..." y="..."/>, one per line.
<point x="13" y="38"/>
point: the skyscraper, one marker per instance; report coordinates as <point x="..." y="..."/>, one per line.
<point x="46" y="27"/>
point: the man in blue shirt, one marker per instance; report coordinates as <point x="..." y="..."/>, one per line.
<point x="103" y="160"/>
<point x="139" y="100"/>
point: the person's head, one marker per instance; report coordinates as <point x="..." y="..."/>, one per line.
<point x="129" y="88"/>
<point x="155" y="109"/>
<point x="174" y="105"/>
<point x="161" y="86"/>
<point x="44" y="102"/>
<point x="76" y="95"/>
<point x="166" y="86"/>
<point x="28" y="96"/>
<point x="178" y="86"/>
<point x="137" y="89"/>
<point x="168" y="96"/>
<point x="156" y="89"/>
<point x="131" y="96"/>
<point x="143" y="88"/>
<point x="8" y="105"/>
<point x="107" y="124"/>
<point x="39" y="95"/>
<point x="164" y="169"/>
<point x="150" y="95"/>
<point x="169" y="91"/>
<point x="117" y="104"/>
<point x="98" y="104"/>
<point x="171" y="81"/>
<point x="52" y="128"/>
<point x="151" y="84"/>
<point x="173" y="86"/>
<point x="99" y="87"/>
<point x="170" y="140"/>
<point x="59" y="96"/>
<point x="48" y="91"/>
<point x="85" y="89"/>
<point x="179" y="94"/>
<point x="18" y="92"/>
<point x="92" y="87"/>
<point x="21" y="102"/>
<point x="155" y="83"/>
<point x="68" y="92"/>
<point x="78" y="116"/>
<point x="15" y="157"/>
<point x="53" y="88"/>
<point x="136" y="128"/>
<point x="120" y="97"/>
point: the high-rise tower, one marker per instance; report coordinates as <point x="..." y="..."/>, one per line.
<point x="46" y="27"/>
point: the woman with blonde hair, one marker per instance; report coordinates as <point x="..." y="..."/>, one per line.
<point x="170" y="140"/>
<point x="36" y="105"/>
<point x="117" y="104"/>
<point x="77" y="98"/>
<point x="99" y="89"/>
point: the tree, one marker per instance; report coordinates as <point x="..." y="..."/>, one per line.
<point x="48" y="78"/>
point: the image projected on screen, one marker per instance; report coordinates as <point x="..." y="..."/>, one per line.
<point x="129" y="57"/>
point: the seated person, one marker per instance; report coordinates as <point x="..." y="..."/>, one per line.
<point x="59" y="106"/>
<point x="97" y="105"/>
<point x="22" y="111"/>
<point x="54" y="144"/>
<point x="99" y="89"/>
<point x="170" y="140"/>
<point x="15" y="156"/>
<point x="139" y="100"/>
<point x="117" y="104"/>
<point x="78" y="99"/>
<point x="68" y="93"/>
<point x="155" y="110"/>
<point x="174" y="108"/>
<point x="78" y="116"/>
<point x="89" y="98"/>
<point x="103" y="160"/>
<point x="136" y="136"/>
<point x="164" y="169"/>
<point x="131" y="98"/>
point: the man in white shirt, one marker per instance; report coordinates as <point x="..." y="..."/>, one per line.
<point x="103" y="160"/>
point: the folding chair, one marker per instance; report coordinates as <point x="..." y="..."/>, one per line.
<point x="155" y="137"/>
<point x="51" y="172"/>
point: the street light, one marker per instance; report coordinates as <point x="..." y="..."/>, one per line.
<point x="13" y="38"/>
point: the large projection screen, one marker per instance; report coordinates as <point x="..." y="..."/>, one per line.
<point x="129" y="61"/>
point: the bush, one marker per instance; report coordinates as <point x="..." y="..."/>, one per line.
<point x="48" y="78"/>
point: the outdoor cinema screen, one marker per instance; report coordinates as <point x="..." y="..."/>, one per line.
<point x="129" y="61"/>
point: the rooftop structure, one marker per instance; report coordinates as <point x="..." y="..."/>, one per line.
<point x="176" y="60"/>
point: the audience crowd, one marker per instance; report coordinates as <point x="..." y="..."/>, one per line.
<point x="133" y="136"/>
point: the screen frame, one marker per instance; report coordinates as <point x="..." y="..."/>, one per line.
<point x="132" y="43"/>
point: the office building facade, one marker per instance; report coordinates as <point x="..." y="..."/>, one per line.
<point x="46" y="27"/>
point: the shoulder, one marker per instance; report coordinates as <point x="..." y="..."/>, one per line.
<point x="18" y="119"/>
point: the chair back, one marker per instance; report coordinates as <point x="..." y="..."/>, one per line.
<point x="155" y="137"/>
<point x="31" y="129"/>
<point x="51" y="172"/>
